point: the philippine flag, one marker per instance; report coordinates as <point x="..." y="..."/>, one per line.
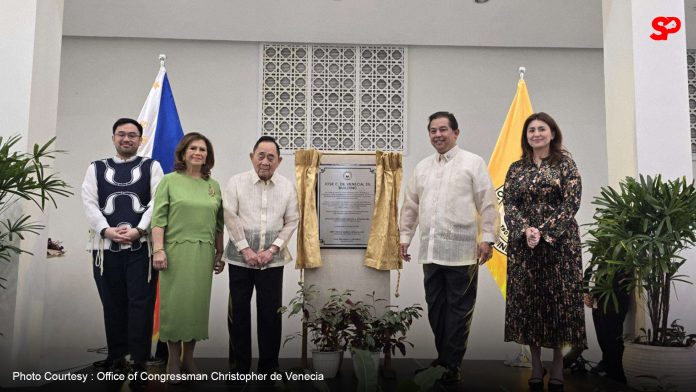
<point x="161" y="133"/>
<point x="161" y="126"/>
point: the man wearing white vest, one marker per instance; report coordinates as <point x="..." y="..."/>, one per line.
<point x="117" y="195"/>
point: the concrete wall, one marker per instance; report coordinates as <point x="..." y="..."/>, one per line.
<point x="411" y="22"/>
<point x="215" y="87"/>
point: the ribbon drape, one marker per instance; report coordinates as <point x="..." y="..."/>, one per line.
<point x="306" y="166"/>
<point x="383" y="244"/>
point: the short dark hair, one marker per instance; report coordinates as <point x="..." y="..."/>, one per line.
<point x="180" y="165"/>
<point x="452" y="120"/>
<point x="267" y="139"/>
<point x="126" y="120"/>
<point x="556" y="149"/>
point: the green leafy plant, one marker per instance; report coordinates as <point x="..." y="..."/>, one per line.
<point x="24" y="176"/>
<point x="371" y="333"/>
<point x="636" y="239"/>
<point x="329" y="324"/>
<point x="385" y="333"/>
<point x="674" y="336"/>
<point x="364" y="322"/>
<point x="392" y="326"/>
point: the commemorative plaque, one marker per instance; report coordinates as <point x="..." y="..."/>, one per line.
<point x="346" y="199"/>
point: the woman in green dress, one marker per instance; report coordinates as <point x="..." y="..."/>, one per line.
<point x="187" y="224"/>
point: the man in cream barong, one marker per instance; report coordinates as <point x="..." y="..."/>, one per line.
<point x="261" y="214"/>
<point x="451" y="197"/>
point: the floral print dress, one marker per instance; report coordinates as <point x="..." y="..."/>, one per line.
<point x="544" y="285"/>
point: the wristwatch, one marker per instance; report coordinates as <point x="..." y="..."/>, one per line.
<point x="102" y="232"/>
<point x="141" y="232"/>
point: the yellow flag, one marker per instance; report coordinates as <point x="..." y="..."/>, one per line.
<point x="507" y="150"/>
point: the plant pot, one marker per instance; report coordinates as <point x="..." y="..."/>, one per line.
<point x="672" y="368"/>
<point x="327" y="362"/>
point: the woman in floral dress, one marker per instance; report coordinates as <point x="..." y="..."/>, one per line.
<point x="544" y="305"/>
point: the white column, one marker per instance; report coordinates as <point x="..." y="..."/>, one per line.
<point x="646" y="91"/>
<point x="619" y="90"/>
<point x="663" y="136"/>
<point x="30" y="44"/>
<point x="647" y="108"/>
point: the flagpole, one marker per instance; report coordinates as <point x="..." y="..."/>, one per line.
<point x="161" y="133"/>
<point x="523" y="357"/>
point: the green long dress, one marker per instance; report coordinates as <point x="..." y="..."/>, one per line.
<point x="190" y="211"/>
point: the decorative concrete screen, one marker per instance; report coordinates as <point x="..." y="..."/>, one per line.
<point x="691" y="67"/>
<point x="334" y="97"/>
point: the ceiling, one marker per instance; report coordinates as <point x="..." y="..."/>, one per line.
<point x="510" y="23"/>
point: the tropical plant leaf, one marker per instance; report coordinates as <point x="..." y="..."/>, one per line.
<point x="25" y="176"/>
<point x="635" y="241"/>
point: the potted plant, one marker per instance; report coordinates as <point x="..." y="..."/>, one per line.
<point x="372" y="334"/>
<point x="363" y="319"/>
<point x="638" y="234"/>
<point x="364" y="340"/>
<point x="391" y="329"/>
<point x="24" y="176"/>
<point x="328" y="326"/>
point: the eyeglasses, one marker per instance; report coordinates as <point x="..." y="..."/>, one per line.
<point x="130" y="135"/>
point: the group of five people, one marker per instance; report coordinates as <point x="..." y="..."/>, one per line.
<point x="450" y="198"/>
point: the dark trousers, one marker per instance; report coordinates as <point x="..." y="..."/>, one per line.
<point x="128" y="301"/>
<point x="450" y="292"/>
<point x="609" y="327"/>
<point x="269" y="297"/>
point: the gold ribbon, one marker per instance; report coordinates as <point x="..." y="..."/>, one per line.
<point x="306" y="166"/>
<point x="383" y="244"/>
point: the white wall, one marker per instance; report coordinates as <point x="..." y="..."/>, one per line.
<point x="215" y="87"/>
<point x="408" y="22"/>
<point x="30" y="47"/>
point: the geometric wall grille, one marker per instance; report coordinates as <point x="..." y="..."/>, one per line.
<point x="284" y="93"/>
<point x="691" y="68"/>
<point x="334" y="97"/>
